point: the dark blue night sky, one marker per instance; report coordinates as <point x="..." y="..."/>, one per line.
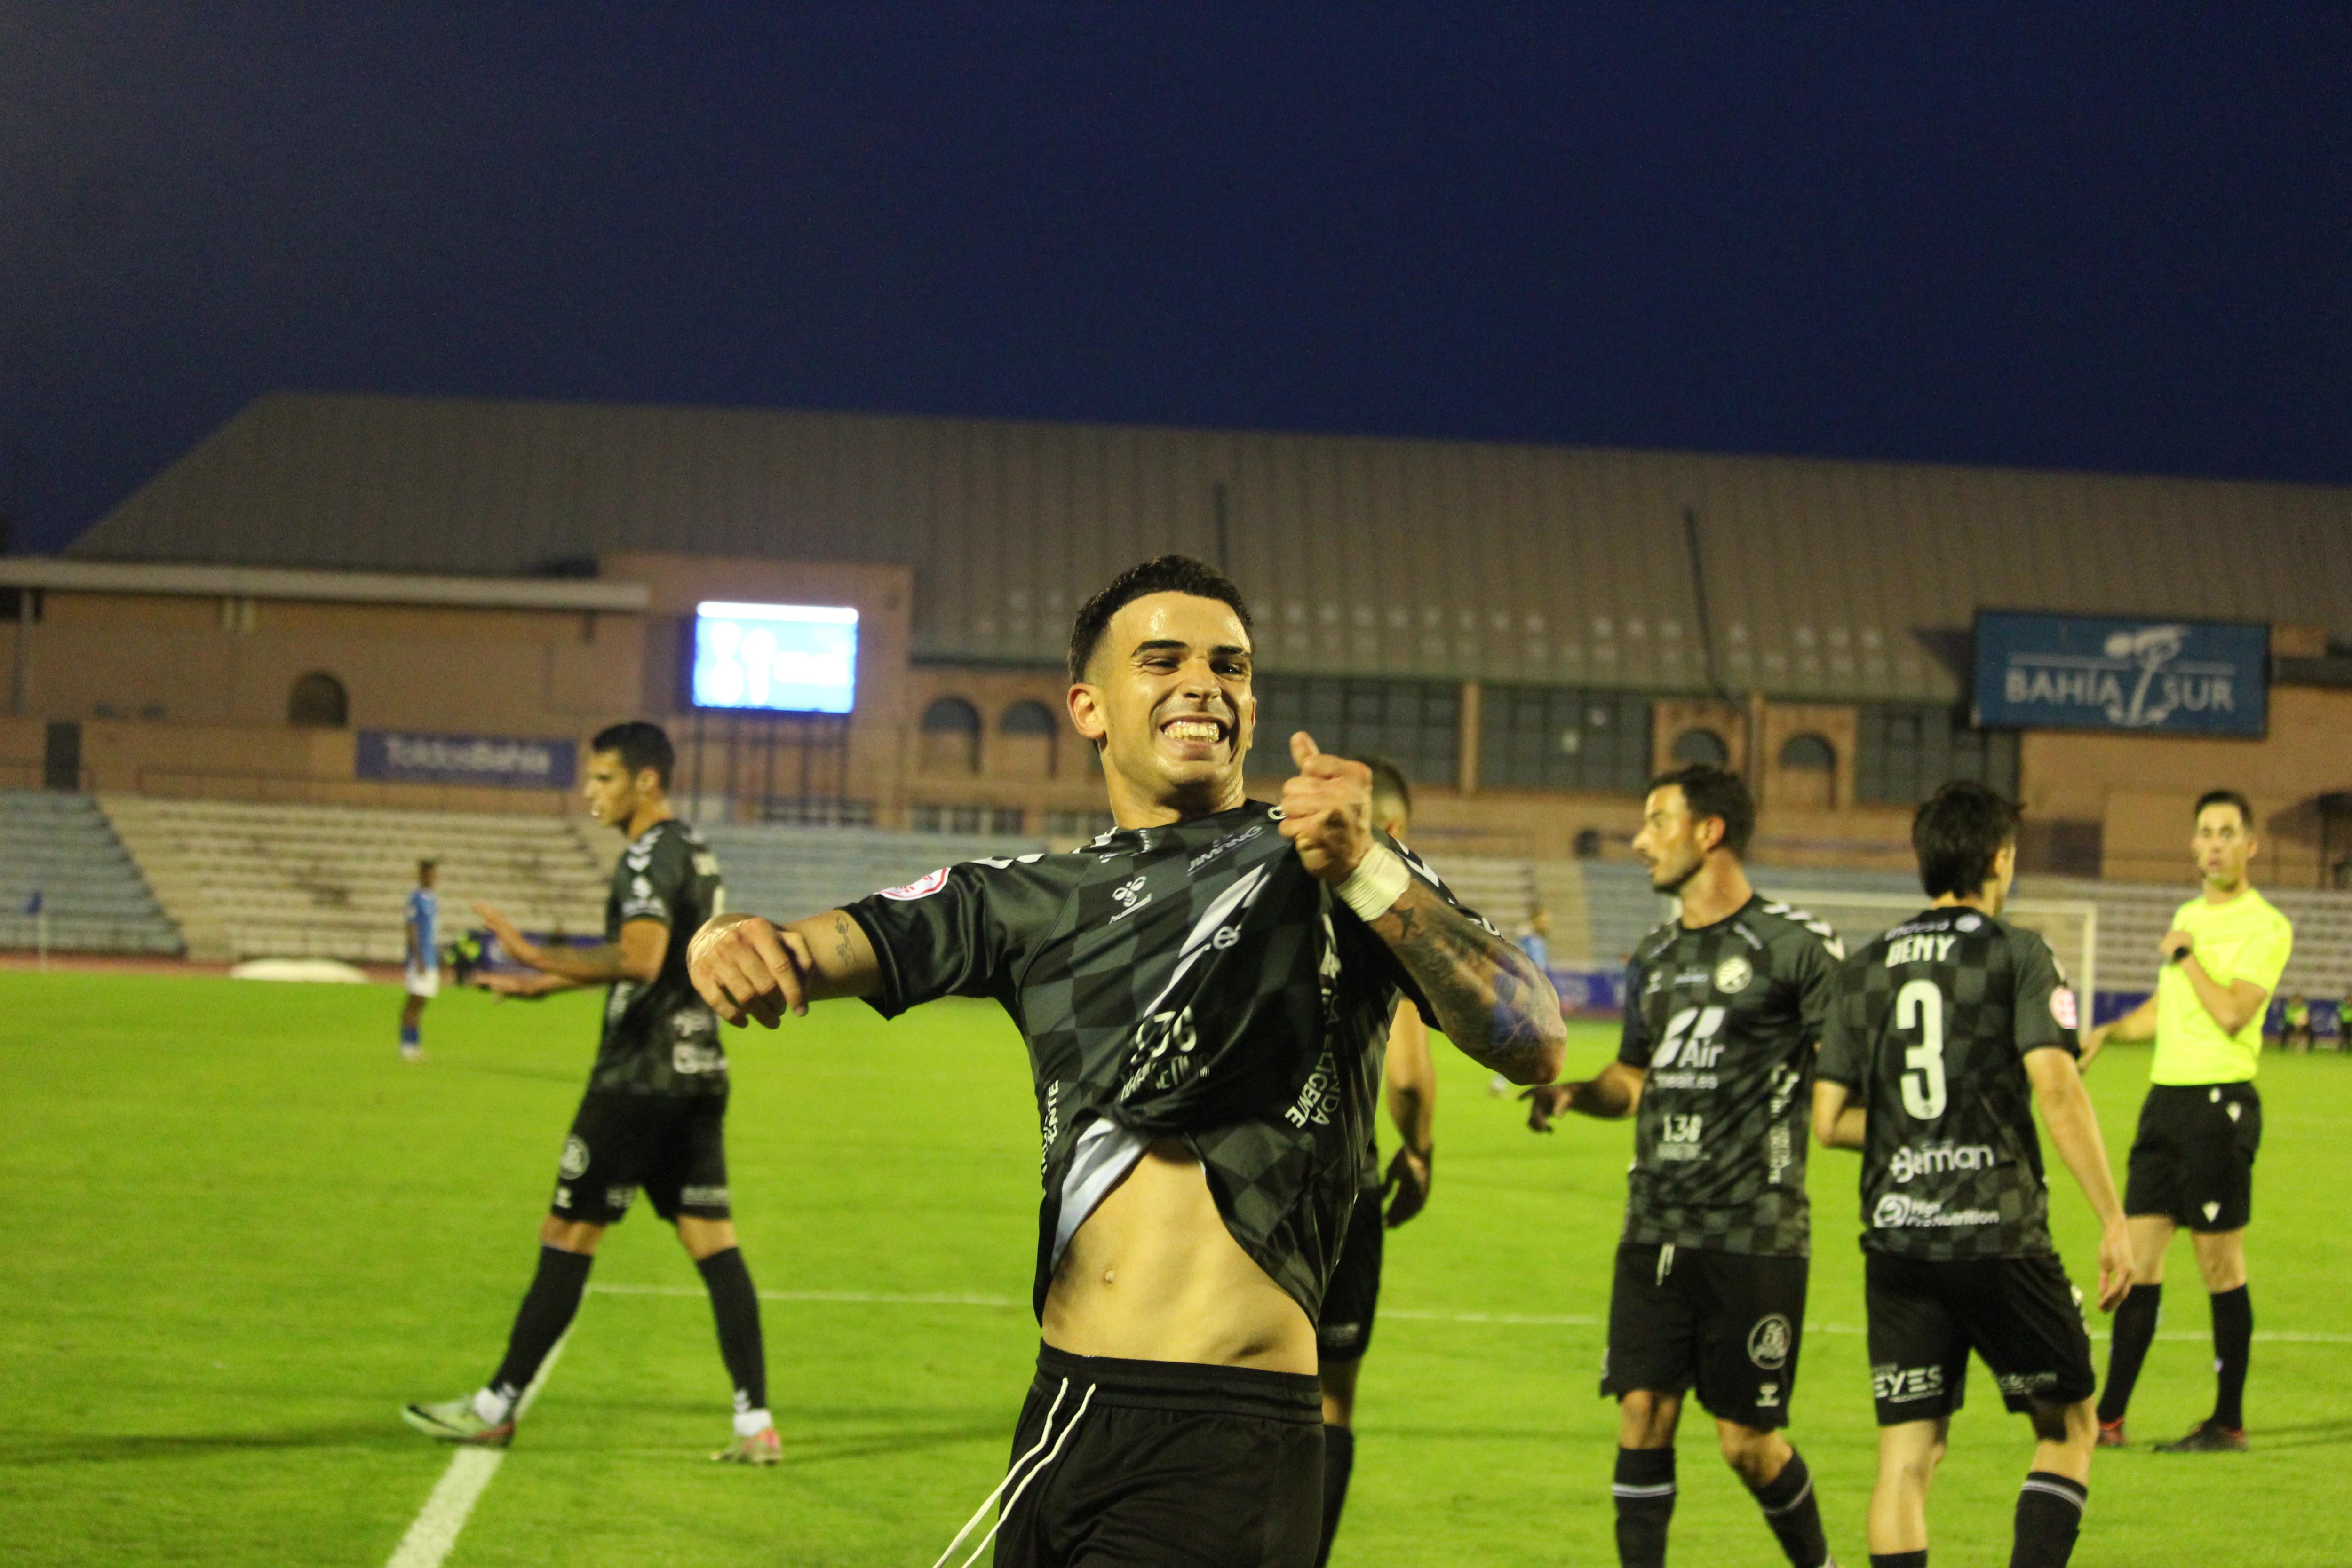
<point x="2114" y="238"/>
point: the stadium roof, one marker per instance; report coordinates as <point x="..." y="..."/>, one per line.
<point x="1565" y="566"/>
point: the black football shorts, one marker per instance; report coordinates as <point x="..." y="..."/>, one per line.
<point x="2192" y="1159"/>
<point x="1727" y="1321"/>
<point x="673" y="1146"/>
<point x="2022" y="1315"/>
<point x="1353" y="1298"/>
<point x="1162" y="1464"/>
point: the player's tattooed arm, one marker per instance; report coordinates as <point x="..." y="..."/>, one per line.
<point x="747" y="968"/>
<point x="1489" y="999"/>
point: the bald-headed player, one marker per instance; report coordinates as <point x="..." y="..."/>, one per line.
<point x="1345" y="1331"/>
<point x="1204" y="992"/>
<point x="2192" y="1159"/>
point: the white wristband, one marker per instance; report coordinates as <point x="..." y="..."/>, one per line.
<point x="1379" y="880"/>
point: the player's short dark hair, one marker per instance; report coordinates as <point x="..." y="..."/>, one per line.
<point x="1388" y="784"/>
<point x="1712" y="792"/>
<point x="426" y="864"/>
<point x="641" y="745"/>
<point x="1957" y="832"/>
<point x="2226" y="798"/>
<point x="1165" y="574"/>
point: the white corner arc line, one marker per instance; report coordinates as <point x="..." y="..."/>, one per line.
<point x="439" y="1522"/>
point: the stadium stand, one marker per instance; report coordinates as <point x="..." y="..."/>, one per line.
<point x="245" y="881"/>
<point x="788" y="873"/>
<point x="60" y="846"/>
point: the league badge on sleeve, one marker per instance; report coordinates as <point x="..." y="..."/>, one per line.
<point x="922" y="887"/>
<point x="2063" y="1009"/>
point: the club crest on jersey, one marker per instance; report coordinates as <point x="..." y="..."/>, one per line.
<point x="1731" y="976"/>
<point x="922" y="887"/>
<point x="2063" y="1007"/>
<point x="1768" y="1341"/>
<point x="575" y="1157"/>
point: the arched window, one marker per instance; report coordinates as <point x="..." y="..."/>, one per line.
<point x="1700" y="744"/>
<point x="1808" y="771"/>
<point x="319" y="702"/>
<point x="951" y="736"/>
<point x="1029" y="740"/>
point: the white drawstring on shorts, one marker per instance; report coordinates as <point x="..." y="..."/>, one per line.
<point x="1034" y="1471"/>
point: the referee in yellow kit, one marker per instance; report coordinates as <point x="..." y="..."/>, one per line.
<point x="2192" y="1161"/>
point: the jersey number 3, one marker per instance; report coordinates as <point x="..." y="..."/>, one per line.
<point x="1919" y="1005"/>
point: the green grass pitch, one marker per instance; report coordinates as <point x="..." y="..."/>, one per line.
<point x="240" y="1233"/>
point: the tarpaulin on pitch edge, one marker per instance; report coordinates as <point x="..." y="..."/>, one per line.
<point x="2149" y="676"/>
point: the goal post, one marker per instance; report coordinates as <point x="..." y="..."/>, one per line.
<point x="2069" y="925"/>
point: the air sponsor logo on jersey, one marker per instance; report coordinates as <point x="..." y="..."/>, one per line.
<point x="1891" y="1385"/>
<point x="1900" y="1211"/>
<point x="1938" y="1160"/>
<point x="1769" y="1342"/>
<point x="1731" y="976"/>
<point x="923" y="886"/>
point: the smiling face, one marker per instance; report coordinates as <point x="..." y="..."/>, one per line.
<point x="1167" y="700"/>
<point x="613" y="793"/>
<point x="2222" y="844"/>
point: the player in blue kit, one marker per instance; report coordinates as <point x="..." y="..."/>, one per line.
<point x="421" y="966"/>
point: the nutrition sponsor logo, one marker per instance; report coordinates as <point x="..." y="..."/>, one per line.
<point x="1900" y="1212"/>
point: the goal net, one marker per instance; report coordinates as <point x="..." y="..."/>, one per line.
<point x="2071" y="926"/>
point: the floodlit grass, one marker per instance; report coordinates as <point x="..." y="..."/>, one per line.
<point x="241" y="1232"/>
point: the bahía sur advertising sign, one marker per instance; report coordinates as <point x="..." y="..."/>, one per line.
<point x="2150" y="676"/>
<point x="498" y="760"/>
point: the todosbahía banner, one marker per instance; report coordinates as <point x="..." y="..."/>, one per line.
<point x="498" y="760"/>
<point x="2151" y="677"/>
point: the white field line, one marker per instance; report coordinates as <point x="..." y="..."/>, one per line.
<point x="1532" y="1319"/>
<point x="443" y="1515"/>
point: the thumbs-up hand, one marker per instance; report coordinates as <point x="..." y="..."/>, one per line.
<point x="1326" y="810"/>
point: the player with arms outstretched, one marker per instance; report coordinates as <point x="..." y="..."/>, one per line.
<point x="1943" y="1034"/>
<point x="1204" y="991"/>
<point x="1723" y="1010"/>
<point x="1344" y="1333"/>
<point x="654" y="1116"/>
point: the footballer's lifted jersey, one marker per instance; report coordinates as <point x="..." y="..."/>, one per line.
<point x="1929" y="1027"/>
<point x="660" y="1038"/>
<point x="1722" y="1020"/>
<point x="1189" y="982"/>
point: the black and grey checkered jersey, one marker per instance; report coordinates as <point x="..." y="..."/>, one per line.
<point x="660" y="1038"/>
<point x="1929" y="1028"/>
<point x="1189" y="982"/>
<point x="1722" y="1020"/>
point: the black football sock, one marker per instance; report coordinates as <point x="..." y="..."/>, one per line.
<point x="1795" y="1517"/>
<point x="2048" y="1513"/>
<point x="1899" y="1559"/>
<point x="2233" y="1341"/>
<point x="2135" y="1330"/>
<point x="546" y="1312"/>
<point x="1645" y="1505"/>
<point x="1339" y="1460"/>
<point x="736" y="1306"/>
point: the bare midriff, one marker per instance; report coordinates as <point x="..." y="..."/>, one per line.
<point x="1153" y="1275"/>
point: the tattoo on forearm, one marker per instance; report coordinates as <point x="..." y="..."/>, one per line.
<point x="842" y="954"/>
<point x="1489" y="997"/>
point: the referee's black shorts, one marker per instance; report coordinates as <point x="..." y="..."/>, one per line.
<point x="672" y="1145"/>
<point x="2192" y="1159"/>
<point x="1353" y="1298"/>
